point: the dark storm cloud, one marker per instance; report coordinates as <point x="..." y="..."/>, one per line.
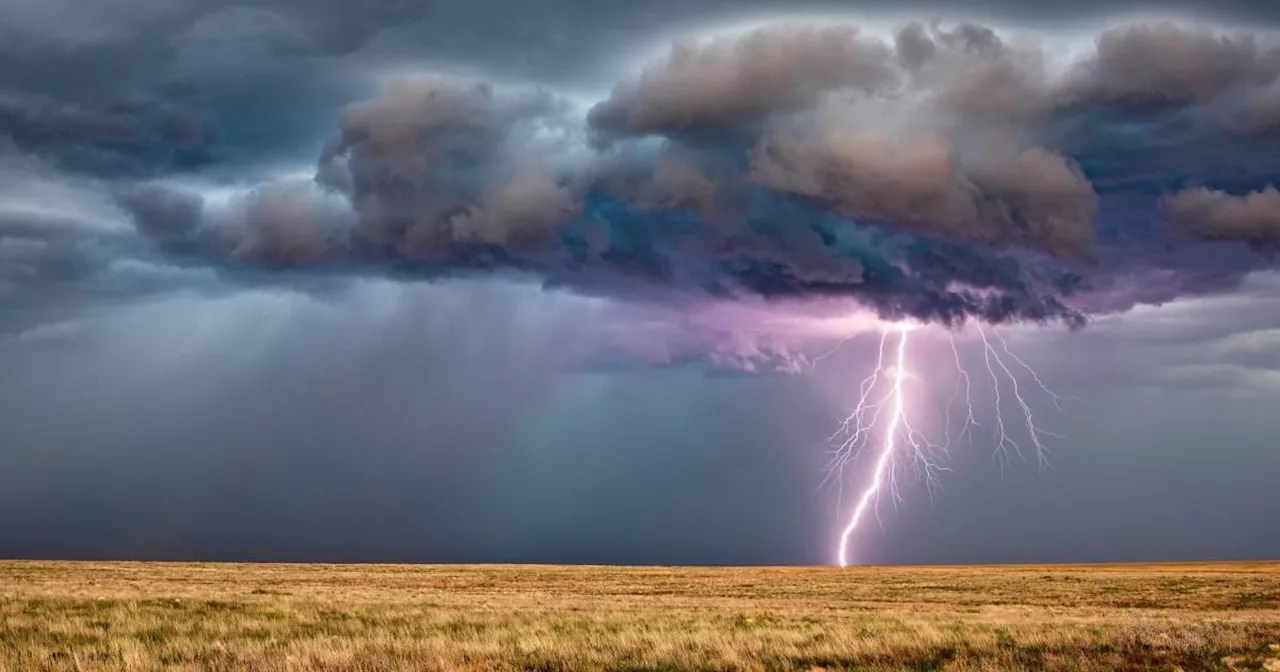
<point x="442" y="176"/>
<point x="57" y="237"/>
<point x="279" y="225"/>
<point x="151" y="86"/>
<point x="788" y="161"/>
<point x="71" y="29"/>
<point x="120" y="138"/>
<point x="791" y="161"/>
<point x="165" y="216"/>
<point x="67" y="248"/>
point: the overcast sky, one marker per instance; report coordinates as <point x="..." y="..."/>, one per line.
<point x="567" y="281"/>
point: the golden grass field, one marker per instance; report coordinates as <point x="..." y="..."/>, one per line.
<point x="173" y="616"/>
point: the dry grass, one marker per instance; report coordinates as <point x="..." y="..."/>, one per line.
<point x="150" y="616"/>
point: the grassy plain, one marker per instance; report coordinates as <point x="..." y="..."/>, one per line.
<point x="162" y="616"/>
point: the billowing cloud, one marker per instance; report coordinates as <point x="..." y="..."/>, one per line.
<point x="446" y="177"/>
<point x="943" y="172"/>
<point x="1003" y="196"/>
<point x="525" y="210"/>
<point x="436" y="164"/>
<point x="970" y="73"/>
<point x="1161" y="66"/>
<point x="744" y="78"/>
<point x="1209" y="213"/>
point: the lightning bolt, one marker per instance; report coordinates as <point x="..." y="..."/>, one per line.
<point x="1003" y="440"/>
<point x="883" y="462"/>
<point x="900" y="437"/>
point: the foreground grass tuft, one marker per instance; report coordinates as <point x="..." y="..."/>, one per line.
<point x="349" y="618"/>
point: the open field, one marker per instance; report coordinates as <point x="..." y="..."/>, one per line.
<point x="149" y="616"/>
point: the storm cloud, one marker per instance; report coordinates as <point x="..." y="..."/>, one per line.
<point x="786" y="161"/>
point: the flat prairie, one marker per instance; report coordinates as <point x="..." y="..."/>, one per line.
<point x="260" y="617"/>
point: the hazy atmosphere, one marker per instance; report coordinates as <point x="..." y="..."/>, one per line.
<point x="572" y="282"/>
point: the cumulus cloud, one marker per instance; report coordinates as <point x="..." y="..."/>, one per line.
<point x="913" y="180"/>
<point x="287" y="224"/>
<point x="526" y="210"/>
<point x="970" y="73"/>
<point x="282" y="224"/>
<point x="435" y="164"/>
<point x="1164" y="65"/>
<point x="1003" y="195"/>
<point x="1209" y="213"/>
<point x="743" y="78"/>
<point x="725" y="83"/>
